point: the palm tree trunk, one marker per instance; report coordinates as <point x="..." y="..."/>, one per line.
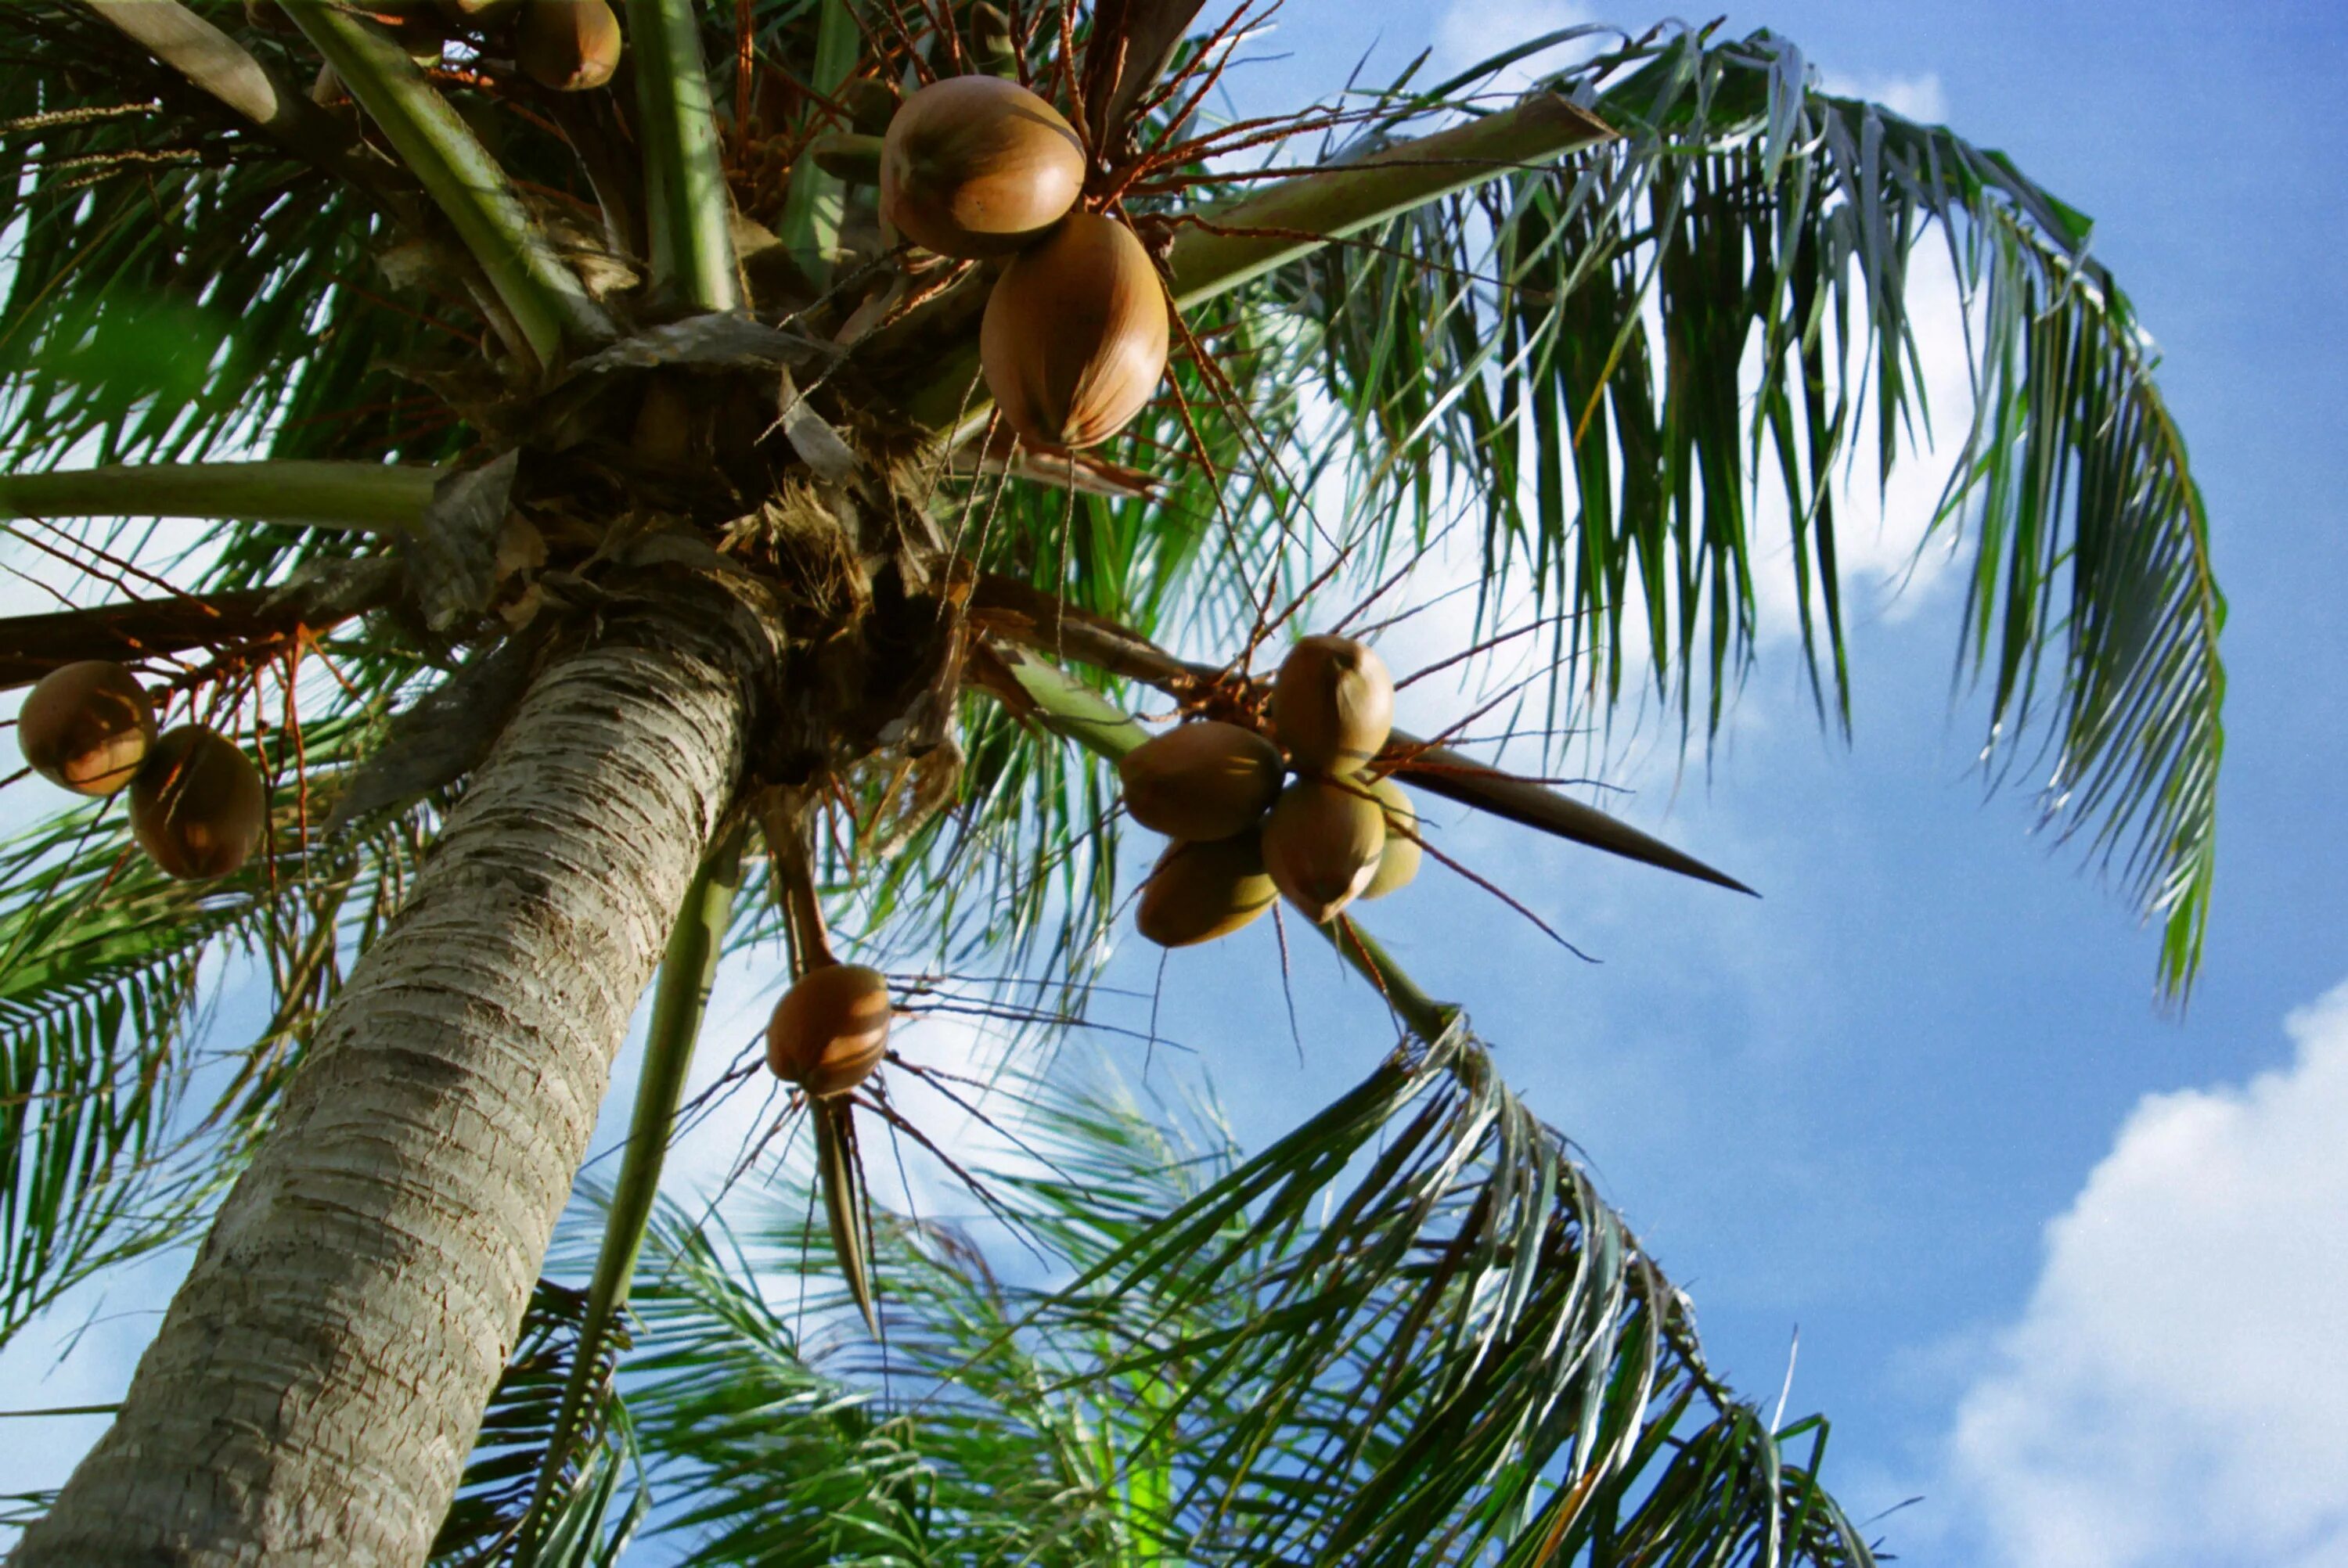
<point x="318" y="1380"/>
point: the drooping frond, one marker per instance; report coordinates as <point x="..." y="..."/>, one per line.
<point x="1408" y="1332"/>
<point x="1645" y="365"/>
<point x="179" y="287"/>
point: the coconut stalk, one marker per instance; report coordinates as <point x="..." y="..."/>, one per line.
<point x="688" y="213"/>
<point x="1321" y="204"/>
<point x="130" y="631"/>
<point x="839" y="1173"/>
<point x="680" y="999"/>
<point x="547" y="304"/>
<point x="344" y="498"/>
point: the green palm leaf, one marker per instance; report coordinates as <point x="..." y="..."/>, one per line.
<point x="1409" y="1332"/>
<point x="1570" y="345"/>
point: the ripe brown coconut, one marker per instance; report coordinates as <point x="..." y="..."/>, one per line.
<point x="831" y="1028"/>
<point x="87" y="726"/>
<point x="1204" y="781"/>
<point x="1331" y="704"/>
<point x="1075" y="335"/>
<point x="1198" y="892"/>
<point x="1399" y="861"/>
<point x="975" y="167"/>
<point x="1322" y="843"/>
<point x="570" y="45"/>
<point x="198" y="805"/>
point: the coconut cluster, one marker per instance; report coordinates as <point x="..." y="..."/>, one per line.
<point x="198" y="805"/>
<point x="1076" y="333"/>
<point x="1296" y="815"/>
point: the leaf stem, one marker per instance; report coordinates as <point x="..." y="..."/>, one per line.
<point x="212" y="61"/>
<point x="688" y="210"/>
<point x="365" y="497"/>
<point x="812" y="209"/>
<point x="544" y="296"/>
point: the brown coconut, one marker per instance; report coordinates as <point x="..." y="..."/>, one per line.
<point x="975" y="167"/>
<point x="87" y="726"/>
<point x="831" y="1028"/>
<point x="1075" y="336"/>
<point x="1203" y="781"/>
<point x="198" y="805"/>
<point x="1399" y="861"/>
<point x="570" y="45"/>
<point x="1198" y="892"/>
<point x="1331" y="704"/>
<point x="1322" y="843"/>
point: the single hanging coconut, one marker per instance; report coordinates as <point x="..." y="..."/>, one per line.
<point x="87" y="726"/>
<point x="1198" y="892"/>
<point x="1331" y="704"/>
<point x="1075" y="335"/>
<point x="1399" y="861"/>
<point x="829" y="1032"/>
<point x="198" y="805"/>
<point x="570" y="45"/>
<point x="1322" y="843"/>
<point x="976" y="166"/>
<point x="1204" y="781"/>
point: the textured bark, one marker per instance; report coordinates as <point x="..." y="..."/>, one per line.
<point x="317" y="1383"/>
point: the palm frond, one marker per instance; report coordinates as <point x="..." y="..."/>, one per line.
<point x="1408" y="1332"/>
<point x="586" y="1523"/>
<point x="114" y="1129"/>
<point x="1575" y="346"/>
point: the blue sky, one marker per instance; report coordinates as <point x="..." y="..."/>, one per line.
<point x="2064" y="1266"/>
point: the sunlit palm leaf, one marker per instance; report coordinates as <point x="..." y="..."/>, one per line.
<point x="1578" y="346"/>
<point x="1408" y="1332"/>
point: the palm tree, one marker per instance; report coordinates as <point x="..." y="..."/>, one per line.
<point x="638" y="570"/>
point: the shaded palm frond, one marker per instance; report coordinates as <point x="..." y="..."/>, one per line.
<point x="180" y="286"/>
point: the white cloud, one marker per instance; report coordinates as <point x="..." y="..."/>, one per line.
<point x="1918" y="97"/>
<point x="1474" y="30"/>
<point x="2176" y="1390"/>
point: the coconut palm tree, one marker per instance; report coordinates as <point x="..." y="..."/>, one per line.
<point x="645" y="562"/>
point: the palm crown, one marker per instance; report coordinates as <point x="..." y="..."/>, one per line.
<point x="641" y="566"/>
